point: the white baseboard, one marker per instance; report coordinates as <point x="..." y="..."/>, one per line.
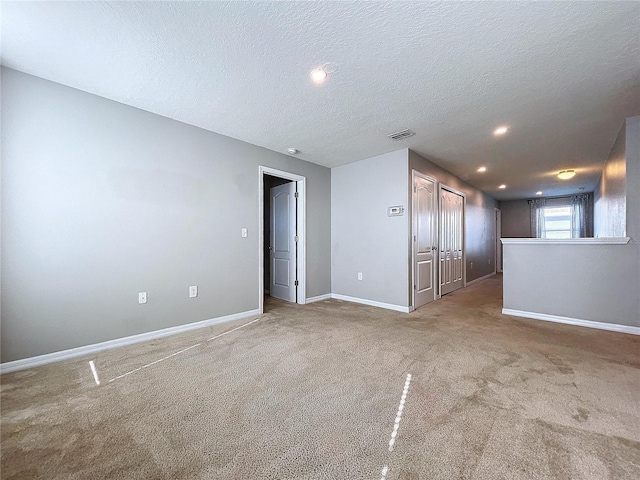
<point x="488" y="275"/>
<point x="388" y="306"/>
<point x="318" y="298"/>
<point x="118" y="342"/>
<point x="613" y="327"/>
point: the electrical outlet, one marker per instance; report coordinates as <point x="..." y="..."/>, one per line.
<point x="243" y="233"/>
<point x="142" y="297"/>
<point x="193" y="291"/>
<point x="359" y="275"/>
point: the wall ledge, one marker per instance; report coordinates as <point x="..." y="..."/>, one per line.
<point x="612" y="327"/>
<point x="567" y="241"/>
<point x="72" y="353"/>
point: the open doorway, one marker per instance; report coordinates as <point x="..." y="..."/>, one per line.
<point x="282" y="243"/>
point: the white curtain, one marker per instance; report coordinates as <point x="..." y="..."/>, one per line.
<point x="537" y="217"/>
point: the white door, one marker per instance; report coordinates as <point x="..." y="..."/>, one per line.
<point x="451" y="241"/>
<point x="282" y="247"/>
<point x="424" y="226"/>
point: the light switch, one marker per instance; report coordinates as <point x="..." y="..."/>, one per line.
<point x="193" y="291"/>
<point x="142" y="297"/>
<point x="244" y="233"/>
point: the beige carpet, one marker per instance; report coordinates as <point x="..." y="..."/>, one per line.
<point x="317" y="392"/>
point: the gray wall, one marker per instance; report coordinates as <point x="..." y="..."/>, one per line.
<point x="101" y="201"/>
<point x="633" y="201"/>
<point x="363" y="237"/>
<point x="610" y="194"/>
<point x="588" y="282"/>
<point x="633" y="178"/>
<point x="516" y="219"/>
<point x="480" y="244"/>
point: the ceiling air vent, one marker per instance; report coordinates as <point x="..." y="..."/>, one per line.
<point x="401" y="134"/>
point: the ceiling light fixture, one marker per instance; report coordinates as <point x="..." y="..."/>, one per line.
<point x="318" y="75"/>
<point x="538" y="193"/>
<point x="293" y="151"/>
<point x="482" y="169"/>
<point x="566" y="174"/>
<point x="503" y="186"/>
<point x="500" y="130"/>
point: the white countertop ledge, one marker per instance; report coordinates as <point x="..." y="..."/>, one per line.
<point x="567" y="241"/>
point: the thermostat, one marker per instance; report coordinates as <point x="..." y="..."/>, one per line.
<point x="396" y="211"/>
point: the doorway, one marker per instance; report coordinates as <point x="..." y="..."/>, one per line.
<point x="282" y="242"/>
<point x="452" y="259"/>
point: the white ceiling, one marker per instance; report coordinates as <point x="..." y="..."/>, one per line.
<point x="562" y="75"/>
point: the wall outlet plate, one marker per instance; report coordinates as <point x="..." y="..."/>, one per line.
<point x="193" y="291"/>
<point x="142" y="297"/>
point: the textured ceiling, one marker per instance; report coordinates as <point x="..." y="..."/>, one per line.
<point x="562" y="75"/>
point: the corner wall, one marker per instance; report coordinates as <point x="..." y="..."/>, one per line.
<point x="363" y="237"/>
<point x="101" y="201"/>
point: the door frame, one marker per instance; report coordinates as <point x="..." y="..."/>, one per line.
<point x="464" y="243"/>
<point x="301" y="220"/>
<point x="436" y="261"/>
<point x="498" y="244"/>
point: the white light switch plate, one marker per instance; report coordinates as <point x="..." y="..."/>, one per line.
<point x="193" y="291"/>
<point x="244" y="233"/>
<point x="142" y="297"/>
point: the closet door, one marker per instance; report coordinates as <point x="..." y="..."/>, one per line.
<point x="451" y="241"/>
<point x="424" y="233"/>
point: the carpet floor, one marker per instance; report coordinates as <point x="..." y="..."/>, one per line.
<point x="335" y="390"/>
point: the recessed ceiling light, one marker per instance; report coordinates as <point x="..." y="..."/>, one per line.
<point x="293" y="151"/>
<point x="501" y="130"/>
<point x="503" y="186"/>
<point x="538" y="193"/>
<point x="482" y="169"/>
<point x="318" y="75"/>
<point x="566" y="174"/>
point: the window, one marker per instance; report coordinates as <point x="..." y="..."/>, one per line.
<point x="562" y="217"/>
<point x="557" y="222"/>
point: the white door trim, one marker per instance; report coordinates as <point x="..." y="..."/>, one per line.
<point x="498" y="247"/>
<point x="436" y="261"/>
<point x="301" y="257"/>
